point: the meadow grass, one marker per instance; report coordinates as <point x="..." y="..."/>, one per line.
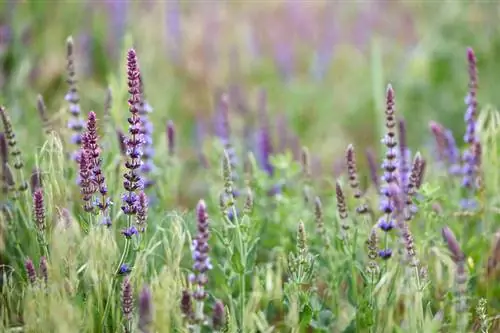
<point x="118" y="221"/>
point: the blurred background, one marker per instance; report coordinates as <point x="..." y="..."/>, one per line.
<point x="324" y="65"/>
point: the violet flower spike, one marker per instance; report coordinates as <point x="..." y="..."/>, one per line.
<point x="470" y="137"/>
<point x="76" y="123"/>
<point x="372" y="164"/>
<point x="200" y="250"/>
<point x="39" y="209"/>
<point x="389" y="165"/>
<point x="30" y="271"/>
<point x="133" y="181"/>
<point x="145" y="310"/>
<point x="223" y="131"/>
<point x="171" y="138"/>
<point x="87" y="188"/>
<point x="142" y="212"/>
<point x="90" y="142"/>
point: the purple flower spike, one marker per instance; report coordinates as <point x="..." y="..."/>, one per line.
<point x="223" y="131"/>
<point x="39" y="209"/>
<point x="171" y="138"/>
<point x="470" y="162"/>
<point x="76" y="123"/>
<point x="127" y="299"/>
<point x="145" y="310"/>
<point x="87" y="188"/>
<point x="200" y="250"/>
<point x="30" y="270"/>
<point x="133" y="181"/>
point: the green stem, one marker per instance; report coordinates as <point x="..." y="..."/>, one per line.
<point x="116" y="274"/>
<point x="243" y="256"/>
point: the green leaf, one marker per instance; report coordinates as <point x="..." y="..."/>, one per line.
<point x="236" y="261"/>
<point x="306" y="316"/>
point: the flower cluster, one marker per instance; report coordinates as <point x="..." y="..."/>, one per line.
<point x="470" y="158"/>
<point x="200" y="250"/>
<point x="386" y="223"/>
<point x="133" y="181"/>
<point x="76" y="123"/>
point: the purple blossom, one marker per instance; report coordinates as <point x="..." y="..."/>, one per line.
<point x="200" y="250"/>
<point x="385" y="254"/>
<point x="173" y="23"/>
<point x="30" y="270"/>
<point x="470" y="119"/>
<point x="133" y="181"/>
<point x="76" y="123"/>
<point x="129" y="232"/>
<point x="124" y="269"/>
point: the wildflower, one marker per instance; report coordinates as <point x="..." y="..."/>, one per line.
<point x="129" y="232"/>
<point x="372" y="244"/>
<point x="76" y="123"/>
<point x="86" y="185"/>
<point x="470" y="159"/>
<point x="404" y="169"/>
<point x="35" y="179"/>
<point x="30" y="270"/>
<point x="133" y="181"/>
<point x="228" y="181"/>
<point x="42" y="110"/>
<point x="453" y="245"/>
<point x="223" y="132"/>
<point x="318" y="214"/>
<point x="352" y="171"/>
<point x="39" y="209"/>
<point x="397" y="195"/>
<point x="265" y="150"/>
<point x="122" y="142"/>
<point x="370" y="156"/>
<point x="127" y="299"/>
<point x="247" y="209"/>
<point x="385" y="253"/>
<point x="412" y="186"/>
<point x="90" y="143"/>
<point x="341" y="205"/>
<point x="218" y="316"/>
<point x="460" y="274"/>
<point x="200" y="250"/>
<point x="142" y="211"/>
<point x="44" y="269"/>
<point x="301" y="239"/>
<point x="13" y="148"/>
<point x="389" y="165"/>
<point x="124" y="269"/>
<point x="171" y="138"/>
<point x="145" y="310"/>
<point x="187" y="304"/>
